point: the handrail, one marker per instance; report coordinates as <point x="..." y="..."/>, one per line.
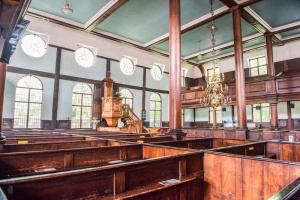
<point x="128" y="113"/>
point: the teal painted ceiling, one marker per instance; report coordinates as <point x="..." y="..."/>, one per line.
<point x="190" y="40"/>
<point x="83" y="11"/>
<point x="250" y="43"/>
<point x="290" y="33"/>
<point x="145" y="20"/>
<point x="278" y="12"/>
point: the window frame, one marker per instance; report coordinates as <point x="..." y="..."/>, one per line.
<point x="155" y="111"/>
<point x="82" y="106"/>
<point x="265" y="106"/>
<point x="258" y="66"/>
<point x="29" y="103"/>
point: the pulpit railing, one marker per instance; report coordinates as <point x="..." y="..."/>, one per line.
<point x="128" y="114"/>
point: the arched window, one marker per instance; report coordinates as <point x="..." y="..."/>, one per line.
<point x="127" y="97"/>
<point x="81" y="106"/>
<point x="155" y="110"/>
<point x="28" y="103"/>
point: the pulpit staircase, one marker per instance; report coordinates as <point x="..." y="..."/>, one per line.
<point x="136" y="122"/>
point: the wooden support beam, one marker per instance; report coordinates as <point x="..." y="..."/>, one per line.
<point x="239" y="69"/>
<point x="175" y="72"/>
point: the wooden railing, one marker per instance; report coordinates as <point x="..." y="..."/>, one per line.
<point x="128" y="114"/>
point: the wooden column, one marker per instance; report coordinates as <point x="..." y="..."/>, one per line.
<point x="2" y="88"/>
<point x="269" y="44"/>
<point x="56" y="89"/>
<point x="144" y="96"/>
<point x="274" y="116"/>
<point x="239" y="70"/>
<point x="289" y="123"/>
<point x="175" y="71"/>
<point x="214" y="118"/>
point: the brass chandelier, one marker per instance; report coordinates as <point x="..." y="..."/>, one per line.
<point x="215" y="92"/>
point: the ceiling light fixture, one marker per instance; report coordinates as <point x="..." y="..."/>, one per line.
<point x="67" y="9"/>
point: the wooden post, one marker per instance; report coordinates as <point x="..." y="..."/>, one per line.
<point x="239" y="70"/>
<point x="289" y="123"/>
<point x="56" y="90"/>
<point x="214" y="118"/>
<point x="2" y="88"/>
<point x="274" y="116"/>
<point x="269" y="44"/>
<point x="175" y="71"/>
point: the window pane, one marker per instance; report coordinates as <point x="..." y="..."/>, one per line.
<point x="36" y="95"/>
<point x="76" y="113"/>
<point x="254" y="71"/>
<point x="152" y="105"/>
<point x="86" y="119"/>
<point x="87" y="100"/>
<point x="158" y="106"/>
<point x="76" y="99"/>
<point x="34" y="119"/>
<point x="20" y="118"/>
<point x="265" y="115"/>
<point x="262" y="61"/>
<point x="22" y="94"/>
<point x="262" y="70"/>
<point x="256" y="115"/>
<point x="253" y="63"/>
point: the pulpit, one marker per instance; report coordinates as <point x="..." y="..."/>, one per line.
<point x="111" y="106"/>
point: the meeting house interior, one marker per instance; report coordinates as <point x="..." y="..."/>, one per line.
<point x="150" y="99"/>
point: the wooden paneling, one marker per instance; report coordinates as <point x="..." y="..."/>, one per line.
<point x="238" y="177"/>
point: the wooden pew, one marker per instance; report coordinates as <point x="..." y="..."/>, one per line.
<point x="147" y="139"/>
<point x="232" y="176"/>
<point x="203" y="143"/>
<point x="119" y="181"/>
<point x="9" y="148"/>
<point x="24" y="140"/>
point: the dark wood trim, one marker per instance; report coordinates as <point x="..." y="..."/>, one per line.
<point x="77" y="79"/>
<point x="107" y="65"/>
<point x="56" y="89"/>
<point x="289" y="124"/>
<point x="18" y="70"/>
<point x="2" y="92"/>
<point x="144" y="89"/>
<point x="140" y="88"/>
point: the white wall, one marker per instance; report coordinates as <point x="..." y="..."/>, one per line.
<point x="201" y="114"/>
<point x="46" y="63"/>
<point x="70" y="67"/>
<point x="188" y="115"/>
<point x="136" y="79"/>
<point x="296" y="111"/>
<point x="10" y="92"/>
<point x="162" y="84"/>
<point x="282" y="110"/>
<point x="227" y="115"/>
